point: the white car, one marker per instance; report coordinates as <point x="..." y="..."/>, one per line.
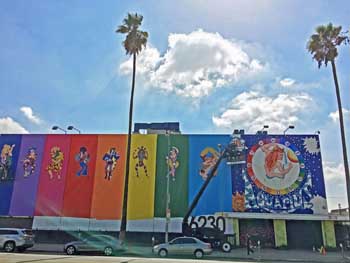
<point x="183" y="246"/>
<point x="16" y="238"/>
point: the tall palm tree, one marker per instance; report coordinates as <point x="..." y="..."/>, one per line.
<point x="134" y="42"/>
<point x="323" y="47"/>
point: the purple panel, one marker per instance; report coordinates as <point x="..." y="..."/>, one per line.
<point x="27" y="175"/>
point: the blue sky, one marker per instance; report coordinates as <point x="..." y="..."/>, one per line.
<point x="211" y="65"/>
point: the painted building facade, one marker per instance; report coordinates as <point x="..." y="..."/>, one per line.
<point x="267" y="185"/>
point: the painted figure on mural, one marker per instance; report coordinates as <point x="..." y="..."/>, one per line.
<point x="83" y="157"/>
<point x="141" y="154"/>
<point x="56" y="163"/>
<point x="110" y="159"/>
<point x="209" y="158"/>
<point x="276" y="161"/>
<point x="29" y="162"/>
<point x="6" y="161"/>
<point x="172" y="162"/>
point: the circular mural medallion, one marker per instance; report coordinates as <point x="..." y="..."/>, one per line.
<point x="275" y="166"/>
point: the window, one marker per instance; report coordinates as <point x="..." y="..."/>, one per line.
<point x="178" y="241"/>
<point x="189" y="241"/>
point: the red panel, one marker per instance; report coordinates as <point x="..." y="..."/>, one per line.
<point x="53" y="176"/>
<point x="80" y="176"/>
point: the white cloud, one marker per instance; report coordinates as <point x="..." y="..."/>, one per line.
<point x="28" y="112"/>
<point x="335" y="115"/>
<point x="252" y="110"/>
<point x="334" y="175"/>
<point x="8" y="125"/>
<point x="287" y="82"/>
<point x="195" y="64"/>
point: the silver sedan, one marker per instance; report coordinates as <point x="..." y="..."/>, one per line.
<point x="183" y="246"/>
<point x="96" y="243"/>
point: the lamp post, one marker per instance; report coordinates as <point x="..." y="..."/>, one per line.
<point x="167" y="206"/>
<point x="73" y="128"/>
<point x="289" y="127"/>
<point x="58" y="128"/>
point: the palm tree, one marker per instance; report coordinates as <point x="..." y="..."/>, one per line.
<point x="134" y="42"/>
<point x="323" y="47"/>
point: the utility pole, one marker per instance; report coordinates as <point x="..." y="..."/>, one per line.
<point x="167" y="206"/>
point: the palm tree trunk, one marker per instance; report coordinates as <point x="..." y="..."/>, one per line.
<point x="127" y="167"/>
<point x="342" y="131"/>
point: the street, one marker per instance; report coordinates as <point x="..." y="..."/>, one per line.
<point x="45" y="258"/>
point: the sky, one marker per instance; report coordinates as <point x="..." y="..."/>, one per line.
<point x="213" y="66"/>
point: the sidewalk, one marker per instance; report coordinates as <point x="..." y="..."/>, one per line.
<point x="288" y="255"/>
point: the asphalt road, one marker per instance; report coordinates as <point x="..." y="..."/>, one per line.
<point x="44" y="258"/>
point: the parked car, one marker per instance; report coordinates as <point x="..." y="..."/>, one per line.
<point x="16" y="238"/>
<point x="183" y="246"/>
<point x="95" y="243"/>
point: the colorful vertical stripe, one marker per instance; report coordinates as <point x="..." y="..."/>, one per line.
<point x="80" y="176"/>
<point x="27" y="175"/>
<point x="172" y="156"/>
<point x="202" y="153"/>
<point x="142" y="177"/>
<point x="109" y="177"/>
<point x="49" y="201"/>
<point x="9" y="150"/>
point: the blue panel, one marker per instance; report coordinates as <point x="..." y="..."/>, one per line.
<point x="218" y="195"/>
<point x="9" y="150"/>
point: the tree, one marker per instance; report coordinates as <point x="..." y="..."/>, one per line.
<point x="134" y="42"/>
<point x="323" y="47"/>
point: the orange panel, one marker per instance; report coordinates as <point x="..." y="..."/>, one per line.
<point x="109" y="177"/>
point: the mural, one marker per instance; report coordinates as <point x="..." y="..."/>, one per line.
<point x="83" y="175"/>
<point x="172" y="156"/>
<point x="203" y="153"/>
<point x="27" y="175"/>
<point x="109" y="177"/>
<point x="49" y="201"/>
<point x="80" y="176"/>
<point x="142" y="177"/>
<point x="283" y="174"/>
<point x="10" y="146"/>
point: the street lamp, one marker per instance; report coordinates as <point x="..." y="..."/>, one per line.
<point x="262" y="130"/>
<point x="289" y="127"/>
<point x="59" y="128"/>
<point x="73" y="128"/>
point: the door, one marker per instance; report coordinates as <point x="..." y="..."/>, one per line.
<point x="177" y="246"/>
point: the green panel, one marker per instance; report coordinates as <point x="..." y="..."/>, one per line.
<point x="328" y="234"/>
<point x="178" y="184"/>
<point x="236" y="230"/>
<point x="279" y="227"/>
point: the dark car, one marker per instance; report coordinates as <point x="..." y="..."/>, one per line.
<point x="213" y="235"/>
<point x="95" y="243"/>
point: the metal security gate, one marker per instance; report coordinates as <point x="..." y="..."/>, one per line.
<point x="304" y="234"/>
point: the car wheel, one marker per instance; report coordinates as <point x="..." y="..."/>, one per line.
<point x="71" y="250"/>
<point x="226" y="247"/>
<point x="108" y="251"/>
<point x="163" y="253"/>
<point x="9" y="246"/>
<point x="199" y="253"/>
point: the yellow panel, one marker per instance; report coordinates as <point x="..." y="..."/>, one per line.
<point x="142" y="176"/>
